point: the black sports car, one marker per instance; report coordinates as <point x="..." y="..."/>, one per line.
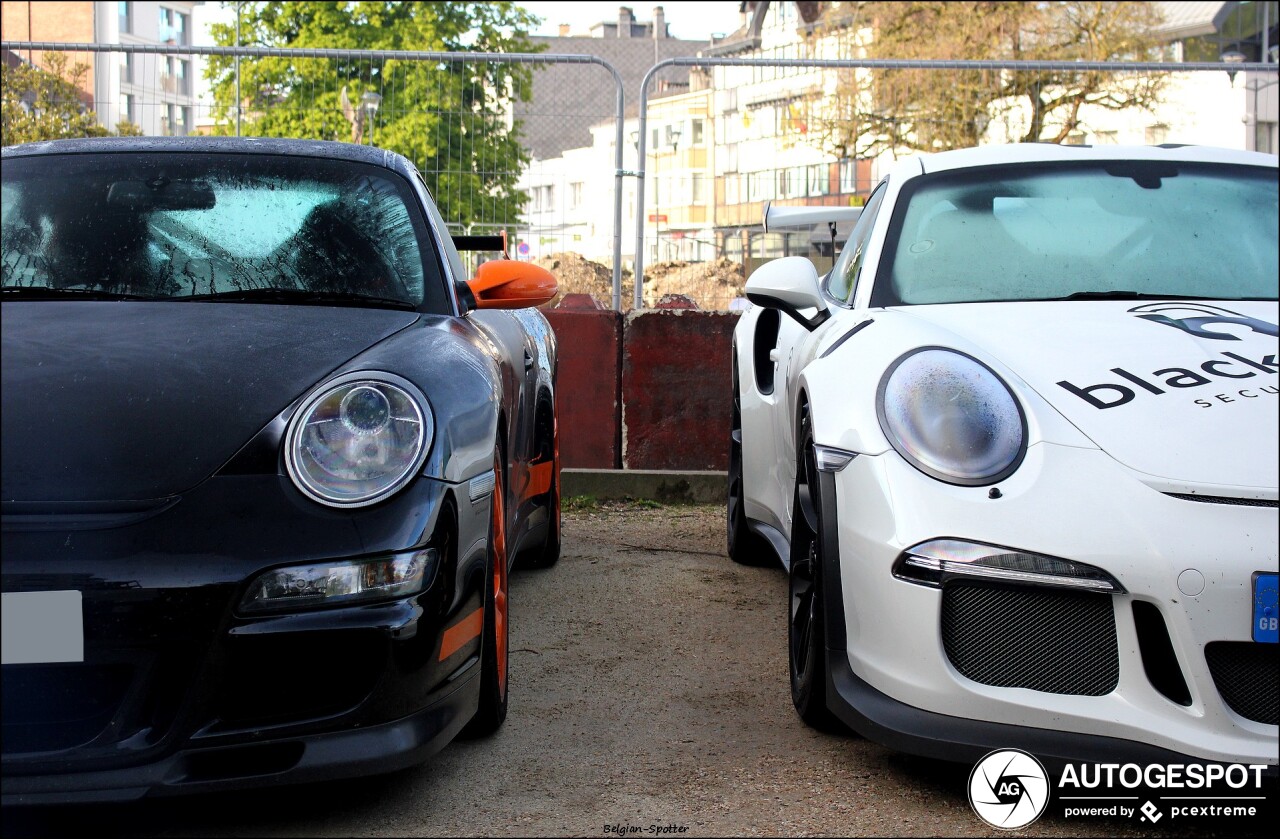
<point x="268" y="458"/>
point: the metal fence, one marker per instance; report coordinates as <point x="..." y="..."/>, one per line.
<point x="675" y="187"/>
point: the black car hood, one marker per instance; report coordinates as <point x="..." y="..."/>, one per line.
<point x="125" y="401"/>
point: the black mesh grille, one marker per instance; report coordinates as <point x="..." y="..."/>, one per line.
<point x="1245" y="674"/>
<point x="1042" y="639"/>
<point x="1222" y="499"/>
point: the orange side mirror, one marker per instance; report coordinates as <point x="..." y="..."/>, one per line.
<point x="511" y="284"/>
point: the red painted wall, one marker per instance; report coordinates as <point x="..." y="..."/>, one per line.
<point x="676" y="389"/>
<point x="588" y="399"/>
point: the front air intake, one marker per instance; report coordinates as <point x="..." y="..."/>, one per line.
<point x="1056" y="641"/>
<point x="1245" y="674"/>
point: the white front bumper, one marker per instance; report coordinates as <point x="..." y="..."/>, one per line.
<point x="1077" y="504"/>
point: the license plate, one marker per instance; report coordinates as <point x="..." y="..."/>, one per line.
<point x="41" y="627"/>
<point x="1266" y="609"/>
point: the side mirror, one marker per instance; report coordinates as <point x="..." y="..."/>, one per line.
<point x="511" y="284"/>
<point x="789" y="284"/>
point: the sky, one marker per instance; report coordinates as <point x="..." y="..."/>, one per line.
<point x="689" y="20"/>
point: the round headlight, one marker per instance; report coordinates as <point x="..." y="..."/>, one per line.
<point x="952" y="417"/>
<point x="358" y="441"/>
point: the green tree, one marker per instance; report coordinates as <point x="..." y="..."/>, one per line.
<point x="451" y="119"/>
<point x="931" y="110"/>
<point x="49" y="104"/>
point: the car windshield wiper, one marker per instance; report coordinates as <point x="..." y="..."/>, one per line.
<point x="35" y="292"/>
<point x="1135" y="295"/>
<point x="297" y="296"/>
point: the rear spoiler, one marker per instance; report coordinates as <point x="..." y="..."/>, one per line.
<point x="483" y="243"/>
<point x="776" y="217"/>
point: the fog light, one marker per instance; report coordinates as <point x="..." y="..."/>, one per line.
<point x="933" y="563"/>
<point x="340" y="583"/>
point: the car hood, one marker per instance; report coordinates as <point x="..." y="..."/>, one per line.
<point x="1181" y="391"/>
<point x="125" y="401"/>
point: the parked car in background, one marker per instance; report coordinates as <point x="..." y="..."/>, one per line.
<point x="1018" y="450"/>
<point x="268" y="457"/>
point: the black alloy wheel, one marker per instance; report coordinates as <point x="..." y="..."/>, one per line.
<point x="495" y="645"/>
<point x="806" y="624"/>
<point x="549" y="553"/>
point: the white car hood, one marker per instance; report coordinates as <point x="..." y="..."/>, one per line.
<point x="1185" y="392"/>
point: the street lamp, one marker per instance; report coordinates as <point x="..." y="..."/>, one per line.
<point x="674" y="133"/>
<point x="370" y="102"/>
<point x="1232" y="57"/>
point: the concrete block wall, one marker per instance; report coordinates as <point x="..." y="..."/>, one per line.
<point x="648" y="391"/>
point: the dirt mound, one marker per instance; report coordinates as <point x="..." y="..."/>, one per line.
<point x="710" y="284"/>
<point x="575" y="274"/>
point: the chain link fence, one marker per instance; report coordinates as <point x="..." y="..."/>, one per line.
<point x="675" y="186"/>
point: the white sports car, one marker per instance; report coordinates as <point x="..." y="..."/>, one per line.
<point x="1018" y="451"/>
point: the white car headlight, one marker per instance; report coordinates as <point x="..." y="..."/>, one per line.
<point x="952" y="417"/>
<point x="359" y="440"/>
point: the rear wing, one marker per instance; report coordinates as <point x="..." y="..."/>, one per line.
<point x="483" y="243"/>
<point x="776" y="217"/>
<point x="845" y="218"/>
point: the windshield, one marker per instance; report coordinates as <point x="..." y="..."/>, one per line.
<point x="182" y="226"/>
<point x="1122" y="229"/>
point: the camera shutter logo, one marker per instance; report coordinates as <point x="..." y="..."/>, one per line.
<point x="1008" y="789"/>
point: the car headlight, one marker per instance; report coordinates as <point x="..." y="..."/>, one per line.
<point x="358" y="440"/>
<point x="952" y="417"/>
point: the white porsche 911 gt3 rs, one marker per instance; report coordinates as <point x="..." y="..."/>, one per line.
<point x="1018" y="450"/>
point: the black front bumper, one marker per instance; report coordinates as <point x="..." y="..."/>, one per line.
<point x="290" y="760"/>
<point x="180" y="692"/>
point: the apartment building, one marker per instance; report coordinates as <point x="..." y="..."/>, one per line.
<point x="155" y="92"/>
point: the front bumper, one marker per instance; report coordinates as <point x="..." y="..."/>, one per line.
<point x="179" y="692"/>
<point x="1077" y="504"/>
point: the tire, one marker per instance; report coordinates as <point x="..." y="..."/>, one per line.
<point x="744" y="546"/>
<point x="806" y="618"/>
<point x="549" y="554"/>
<point x="496" y="648"/>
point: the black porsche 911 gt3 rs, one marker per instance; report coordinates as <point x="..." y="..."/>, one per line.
<point x="268" y="457"/>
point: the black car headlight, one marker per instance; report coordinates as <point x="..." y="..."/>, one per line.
<point x="952" y="417"/>
<point x="358" y="440"/>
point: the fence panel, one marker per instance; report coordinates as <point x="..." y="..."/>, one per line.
<point x="542" y="172"/>
<point x="675" y="191"/>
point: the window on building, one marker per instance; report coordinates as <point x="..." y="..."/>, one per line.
<point x="575" y="194"/>
<point x="181" y="77"/>
<point x="129" y="105"/>
<point x="696" y="132"/>
<point x="125" y="13"/>
<point x="1157" y="134"/>
<point x="126" y="68"/>
<point x="181" y="120"/>
<point x="732" y="189"/>
<point x="698" y="187"/>
<point x="819" y="180"/>
<point x="1075" y="138"/>
<point x="1106" y="138"/>
<point x="173" y="26"/>
<point x="848" y="176"/>
<point x="760" y="186"/>
<point x="730" y="157"/>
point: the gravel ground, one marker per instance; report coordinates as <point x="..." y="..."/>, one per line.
<point x="649" y="690"/>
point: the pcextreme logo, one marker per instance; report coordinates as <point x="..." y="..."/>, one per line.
<point x="1195" y="319"/>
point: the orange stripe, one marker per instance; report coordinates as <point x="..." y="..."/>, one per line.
<point x="460" y="633"/>
<point x="540" y="478"/>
